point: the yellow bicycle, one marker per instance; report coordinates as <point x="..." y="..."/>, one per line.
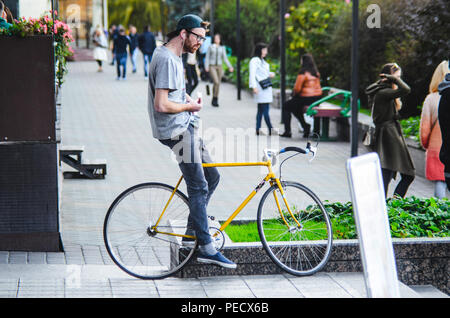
<point x="145" y="225"/>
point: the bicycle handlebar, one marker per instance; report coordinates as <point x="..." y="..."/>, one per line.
<point x="309" y="149"/>
<point x="273" y="154"/>
<point x="296" y="149"/>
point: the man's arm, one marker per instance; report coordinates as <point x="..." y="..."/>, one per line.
<point x="164" y="105"/>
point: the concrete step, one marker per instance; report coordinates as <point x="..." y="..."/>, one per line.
<point x="428" y="291"/>
<point x="26" y="280"/>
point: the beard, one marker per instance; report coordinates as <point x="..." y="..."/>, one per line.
<point x="190" y="47"/>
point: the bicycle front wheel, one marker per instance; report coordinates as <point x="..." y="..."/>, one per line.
<point x="298" y="241"/>
<point x="132" y="240"/>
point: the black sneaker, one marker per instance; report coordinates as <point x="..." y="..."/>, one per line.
<point x="286" y="134"/>
<point x="217" y="259"/>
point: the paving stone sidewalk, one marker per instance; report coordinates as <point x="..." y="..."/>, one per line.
<point x="109" y="118"/>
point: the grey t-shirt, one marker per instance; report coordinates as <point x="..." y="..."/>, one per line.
<point x="167" y="72"/>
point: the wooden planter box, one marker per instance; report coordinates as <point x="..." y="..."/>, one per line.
<point x="29" y="212"/>
<point x="27" y="89"/>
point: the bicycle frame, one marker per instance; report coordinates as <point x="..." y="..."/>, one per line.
<point x="271" y="177"/>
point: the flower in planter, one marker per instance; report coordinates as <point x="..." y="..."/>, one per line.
<point x="23" y="27"/>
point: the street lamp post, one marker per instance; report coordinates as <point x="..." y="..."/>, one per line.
<point x="161" y="17"/>
<point x="355" y="44"/>
<point x="238" y="48"/>
<point x="211" y="20"/>
<point x="282" y="56"/>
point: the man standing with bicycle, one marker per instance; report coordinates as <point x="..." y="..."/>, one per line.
<point x="175" y="124"/>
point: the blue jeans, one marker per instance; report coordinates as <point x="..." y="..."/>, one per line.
<point x="263" y="110"/>
<point x="121" y="59"/>
<point x="133" y="56"/>
<point x="201" y="182"/>
<point x="147" y="60"/>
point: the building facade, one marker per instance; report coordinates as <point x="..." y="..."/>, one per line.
<point x="83" y="16"/>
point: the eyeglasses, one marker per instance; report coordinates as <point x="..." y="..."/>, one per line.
<point x="199" y="38"/>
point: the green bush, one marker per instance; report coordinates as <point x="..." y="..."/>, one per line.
<point x="274" y="67"/>
<point x="411" y="128"/>
<point x="409" y="217"/>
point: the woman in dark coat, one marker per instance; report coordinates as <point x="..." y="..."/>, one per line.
<point x="384" y="96"/>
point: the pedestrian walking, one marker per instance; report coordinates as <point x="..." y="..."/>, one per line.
<point x="113" y="33"/>
<point x="384" y="96"/>
<point x="201" y="55"/>
<point x="190" y="65"/>
<point x="430" y="132"/>
<point x="444" y="122"/>
<point x="101" y="46"/>
<point x="215" y="56"/>
<point x="259" y="81"/>
<point x="121" y="42"/>
<point x="175" y="125"/>
<point x="147" y="45"/>
<point x="306" y="91"/>
<point x="133" y="46"/>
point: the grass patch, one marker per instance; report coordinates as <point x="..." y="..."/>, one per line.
<point x="247" y="232"/>
<point x="409" y="217"/>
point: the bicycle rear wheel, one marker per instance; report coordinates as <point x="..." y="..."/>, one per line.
<point x="300" y="246"/>
<point x="131" y="240"/>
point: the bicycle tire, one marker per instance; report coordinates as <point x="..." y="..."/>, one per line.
<point x="299" y="250"/>
<point x="128" y="237"/>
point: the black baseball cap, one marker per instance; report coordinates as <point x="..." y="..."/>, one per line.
<point x="188" y="22"/>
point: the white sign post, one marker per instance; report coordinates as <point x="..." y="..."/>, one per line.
<point x="369" y="206"/>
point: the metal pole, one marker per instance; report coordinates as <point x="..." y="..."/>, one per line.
<point x="355" y="45"/>
<point x="162" y="19"/>
<point x="238" y="48"/>
<point x="105" y="15"/>
<point x="53" y="16"/>
<point x="211" y="20"/>
<point x="282" y="57"/>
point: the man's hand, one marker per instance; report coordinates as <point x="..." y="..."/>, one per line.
<point x="194" y="105"/>
<point x="164" y="105"/>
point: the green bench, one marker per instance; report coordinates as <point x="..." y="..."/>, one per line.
<point x="336" y="104"/>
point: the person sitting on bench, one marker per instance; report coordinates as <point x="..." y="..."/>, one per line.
<point x="306" y="91"/>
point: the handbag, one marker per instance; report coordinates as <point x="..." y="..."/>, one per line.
<point x="369" y="139"/>
<point x="265" y="83"/>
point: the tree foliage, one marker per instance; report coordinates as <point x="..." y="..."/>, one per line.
<point x="413" y="33"/>
<point x="179" y="8"/>
<point x="259" y="23"/>
<point x="136" y="12"/>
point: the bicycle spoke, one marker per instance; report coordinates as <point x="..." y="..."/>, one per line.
<point x="299" y="243"/>
<point x="131" y="240"/>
